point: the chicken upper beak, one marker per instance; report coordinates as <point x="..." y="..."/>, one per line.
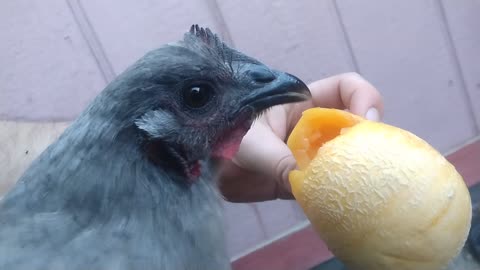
<point x="270" y="88"/>
<point x="275" y="88"/>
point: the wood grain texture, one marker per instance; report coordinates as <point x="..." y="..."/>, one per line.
<point x="463" y="24"/>
<point x="277" y="216"/>
<point x="401" y="48"/>
<point x="20" y="144"/>
<point x="300" y="37"/>
<point x="135" y="27"/>
<point x="243" y="228"/>
<point x="47" y="70"/>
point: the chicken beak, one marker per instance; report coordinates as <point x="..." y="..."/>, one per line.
<point x="283" y="88"/>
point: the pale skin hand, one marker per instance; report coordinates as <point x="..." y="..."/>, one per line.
<point x="259" y="171"/>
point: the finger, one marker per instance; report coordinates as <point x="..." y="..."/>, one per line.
<point x="271" y="156"/>
<point x="345" y="91"/>
<point x="238" y="184"/>
<point x="242" y="185"/>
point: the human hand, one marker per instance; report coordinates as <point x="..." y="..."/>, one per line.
<point x="259" y="171"/>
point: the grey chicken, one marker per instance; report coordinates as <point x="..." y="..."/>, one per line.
<point x="130" y="184"/>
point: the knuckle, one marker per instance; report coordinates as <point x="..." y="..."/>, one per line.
<point x="284" y="166"/>
<point x="352" y="75"/>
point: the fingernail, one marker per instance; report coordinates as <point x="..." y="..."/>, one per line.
<point x="372" y="115"/>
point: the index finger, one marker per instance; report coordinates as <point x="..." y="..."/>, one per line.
<point x="345" y="91"/>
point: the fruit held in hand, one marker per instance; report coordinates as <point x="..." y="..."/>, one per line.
<point x="379" y="196"/>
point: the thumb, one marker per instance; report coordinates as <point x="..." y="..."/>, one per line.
<point x="263" y="152"/>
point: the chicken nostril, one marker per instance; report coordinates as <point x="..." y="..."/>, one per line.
<point x="261" y="75"/>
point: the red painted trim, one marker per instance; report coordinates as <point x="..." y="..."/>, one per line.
<point x="298" y="251"/>
<point x="467" y="162"/>
<point x="303" y="249"/>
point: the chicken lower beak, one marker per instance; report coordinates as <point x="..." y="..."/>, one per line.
<point x="284" y="88"/>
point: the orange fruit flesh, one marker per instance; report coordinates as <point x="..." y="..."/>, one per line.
<point x="314" y="129"/>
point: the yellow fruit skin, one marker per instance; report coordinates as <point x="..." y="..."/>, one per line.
<point x="382" y="198"/>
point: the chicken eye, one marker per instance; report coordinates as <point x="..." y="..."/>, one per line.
<point x="197" y="96"/>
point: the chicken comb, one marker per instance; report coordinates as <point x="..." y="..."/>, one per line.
<point x="204" y="34"/>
